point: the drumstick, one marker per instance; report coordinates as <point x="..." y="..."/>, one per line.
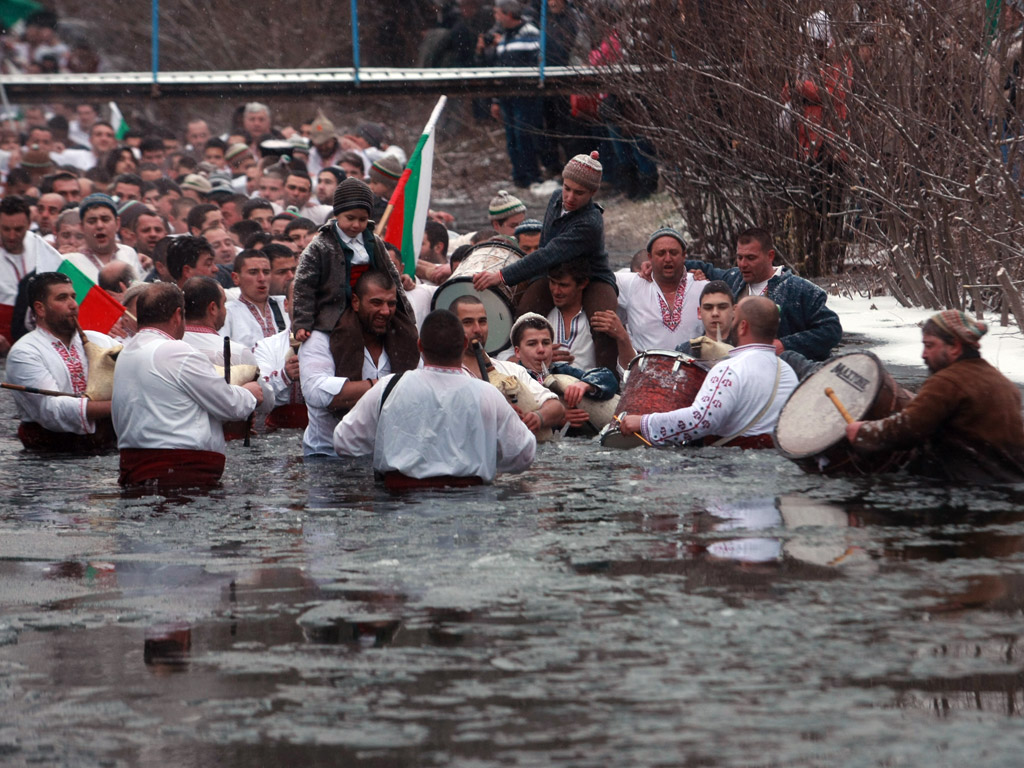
<point x="637" y="434"/>
<point x="831" y="395"/>
<point x="37" y="391"/>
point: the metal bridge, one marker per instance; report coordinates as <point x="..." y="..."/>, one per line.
<point x="475" y="81"/>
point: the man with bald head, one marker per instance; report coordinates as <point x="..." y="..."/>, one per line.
<point x="741" y="398"/>
<point x="48" y="208"/>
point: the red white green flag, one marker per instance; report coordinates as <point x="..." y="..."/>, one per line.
<point x="411" y="199"/>
<point x="97" y="309"/>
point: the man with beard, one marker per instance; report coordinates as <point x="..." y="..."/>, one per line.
<point x="52" y="357"/>
<point x="740" y="400"/>
<point x="340" y="367"/>
<point x="965" y="420"/>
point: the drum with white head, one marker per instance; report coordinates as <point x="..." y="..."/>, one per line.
<point x="499" y="301"/>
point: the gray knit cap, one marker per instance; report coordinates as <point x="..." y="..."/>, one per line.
<point x="352" y="193"/>
<point x="665" y="232"/>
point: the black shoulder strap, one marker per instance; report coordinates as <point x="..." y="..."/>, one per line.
<point x="388" y="388"/>
<point x="275" y="310"/>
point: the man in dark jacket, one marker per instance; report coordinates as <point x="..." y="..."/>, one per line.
<point x="573" y="229"/>
<point x="518" y="45"/>
<point x="806" y="325"/>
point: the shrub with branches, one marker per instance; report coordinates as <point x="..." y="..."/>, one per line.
<point x="877" y="134"/>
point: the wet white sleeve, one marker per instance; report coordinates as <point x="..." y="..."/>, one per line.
<point x="356" y="434"/>
<point x="319" y="384"/>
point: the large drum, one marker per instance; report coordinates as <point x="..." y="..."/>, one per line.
<point x="499" y="301"/>
<point x="812" y="432"/>
<point x="659" y="381"/>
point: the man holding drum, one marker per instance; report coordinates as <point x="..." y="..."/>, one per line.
<point x="740" y="400"/>
<point x="966" y="420"/>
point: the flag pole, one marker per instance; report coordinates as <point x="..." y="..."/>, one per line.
<point x="400" y="190"/>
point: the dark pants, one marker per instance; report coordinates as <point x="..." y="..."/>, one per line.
<point x="597" y="296"/>
<point x="524" y="126"/>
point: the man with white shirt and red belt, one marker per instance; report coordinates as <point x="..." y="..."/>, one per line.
<point x="279" y="371"/>
<point x="438" y="426"/>
<point x="169" y="403"/>
<point x="52" y="357"/>
<point x="660" y="313"/>
<point x="741" y="398"/>
<point x="19" y="251"/>
<point x="250" y="319"/>
<point x="204" y="317"/>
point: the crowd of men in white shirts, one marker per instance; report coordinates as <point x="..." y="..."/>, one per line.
<point x="200" y="239"/>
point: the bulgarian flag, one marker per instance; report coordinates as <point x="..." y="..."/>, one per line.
<point x="406" y="215"/>
<point x="117" y="122"/>
<point x="97" y="309"/>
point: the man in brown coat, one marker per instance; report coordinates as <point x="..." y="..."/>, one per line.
<point x="966" y="420"/>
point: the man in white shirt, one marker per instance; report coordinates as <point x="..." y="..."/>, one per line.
<point x="741" y="398"/>
<point x="250" y="319"/>
<point x="438" y="426"/>
<point x="473" y="316"/>
<point x="279" y="371"/>
<point x="298" y="187"/>
<point x="573" y="342"/>
<point x="52" y="357"/>
<point x="19" y="251"/>
<point x="100" y="223"/>
<point x="338" y="368"/>
<point x="660" y="313"/>
<point x="102" y="140"/>
<point x="204" y="317"/>
<point x="169" y="403"/>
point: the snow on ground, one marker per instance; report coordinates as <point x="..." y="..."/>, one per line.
<point x="893" y="333"/>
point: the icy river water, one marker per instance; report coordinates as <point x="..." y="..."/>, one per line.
<point x="645" y="608"/>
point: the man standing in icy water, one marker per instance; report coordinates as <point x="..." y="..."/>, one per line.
<point x="438" y="426"/>
<point x="966" y="420"/>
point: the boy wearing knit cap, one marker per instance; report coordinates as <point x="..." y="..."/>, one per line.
<point x="506" y="212"/>
<point x="343" y="249"/>
<point x="528" y="234"/>
<point x="573" y="229"/>
<point x="965" y="423"/>
<point x="384" y="175"/>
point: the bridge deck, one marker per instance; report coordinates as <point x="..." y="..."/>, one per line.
<point x="481" y="81"/>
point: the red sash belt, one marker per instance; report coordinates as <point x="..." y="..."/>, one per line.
<point x="170" y="467"/>
<point x="753" y="441"/>
<point x="235" y="430"/>
<point x="37" y="438"/>
<point x="290" y="416"/>
<point x="6" y="318"/>
<point x="396" y="481"/>
<point x="355" y="272"/>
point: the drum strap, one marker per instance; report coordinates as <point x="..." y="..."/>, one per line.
<point x="761" y="413"/>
